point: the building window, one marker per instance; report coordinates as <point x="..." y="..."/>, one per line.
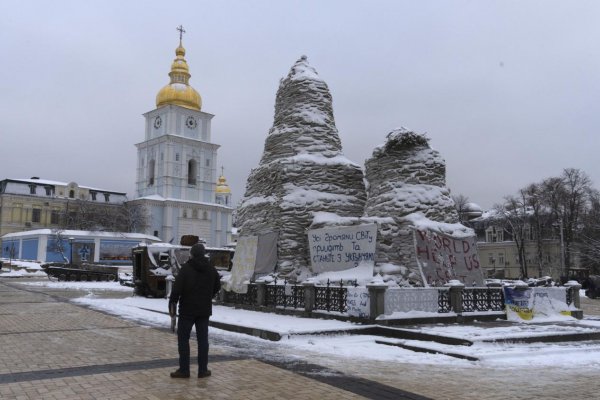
<point x="195" y="213"/>
<point x="71" y="194"/>
<point x="494" y="235"/>
<point x="32" y="189"/>
<point x="176" y="156"/>
<point x="184" y="213"/>
<point x="192" y="172"/>
<point x="500" y="259"/>
<point x="48" y="190"/>
<point x="529" y="233"/>
<point x="36" y="215"/>
<point x="93" y="195"/>
<point x="54" y="217"/>
<point x="208" y="162"/>
<point x="151" y="172"/>
<point x="156" y="233"/>
<point x="107" y="197"/>
<point x="204" y="215"/>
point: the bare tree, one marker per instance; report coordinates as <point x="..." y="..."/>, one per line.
<point x="589" y="235"/>
<point x="135" y="217"/>
<point x="58" y="245"/>
<point x="538" y="219"/>
<point x="513" y="218"/>
<point x="85" y="215"/>
<point x="567" y="198"/>
<point x="460" y="202"/>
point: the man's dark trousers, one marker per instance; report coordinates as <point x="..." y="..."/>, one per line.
<point x="184" y="329"/>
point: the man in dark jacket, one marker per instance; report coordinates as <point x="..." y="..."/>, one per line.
<point x="194" y="288"/>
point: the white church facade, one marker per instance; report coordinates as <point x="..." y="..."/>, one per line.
<point x="177" y="167"/>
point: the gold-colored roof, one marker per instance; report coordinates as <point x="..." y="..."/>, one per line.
<point x="179" y="91"/>
<point x="222" y="186"/>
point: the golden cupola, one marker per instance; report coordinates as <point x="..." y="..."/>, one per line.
<point x="179" y="91"/>
<point x="222" y="186"/>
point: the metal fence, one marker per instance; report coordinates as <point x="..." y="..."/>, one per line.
<point x="249" y="298"/>
<point x="286" y="295"/>
<point x="444" y="301"/>
<point x="333" y="297"/>
<point x="482" y="299"/>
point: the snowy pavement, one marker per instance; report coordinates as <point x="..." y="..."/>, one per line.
<point x="503" y="370"/>
<point x="296" y="337"/>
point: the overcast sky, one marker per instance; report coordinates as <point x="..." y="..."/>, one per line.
<point x="507" y="91"/>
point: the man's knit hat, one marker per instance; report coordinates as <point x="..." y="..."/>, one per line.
<point x="197" y="250"/>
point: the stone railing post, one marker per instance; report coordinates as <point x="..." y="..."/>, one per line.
<point x="169" y="280"/>
<point x="222" y="295"/>
<point x="574" y="287"/>
<point x="456" y="288"/>
<point x="376" y="299"/>
<point x="310" y="296"/>
<point x="261" y="293"/>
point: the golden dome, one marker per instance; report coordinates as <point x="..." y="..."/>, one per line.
<point x="179" y="91"/>
<point x="222" y="186"/>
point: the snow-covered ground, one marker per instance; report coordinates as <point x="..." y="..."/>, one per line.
<point x="298" y="342"/>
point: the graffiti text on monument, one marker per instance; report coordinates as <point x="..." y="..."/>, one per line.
<point x="443" y="258"/>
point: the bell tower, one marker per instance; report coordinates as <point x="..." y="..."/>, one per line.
<point x="177" y="163"/>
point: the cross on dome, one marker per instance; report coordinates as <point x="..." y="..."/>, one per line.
<point x="181" y="32"/>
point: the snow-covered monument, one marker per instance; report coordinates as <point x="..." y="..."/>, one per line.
<point x="308" y="209"/>
<point x="407" y="183"/>
<point x="302" y="170"/>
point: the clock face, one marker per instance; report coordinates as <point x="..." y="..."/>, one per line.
<point x="190" y="122"/>
<point x="157" y="122"/>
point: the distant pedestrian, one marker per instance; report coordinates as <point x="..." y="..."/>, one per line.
<point x="194" y="288"/>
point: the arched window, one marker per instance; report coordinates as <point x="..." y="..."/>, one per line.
<point x="151" y="172"/>
<point x="192" y="172"/>
<point x="71" y="194"/>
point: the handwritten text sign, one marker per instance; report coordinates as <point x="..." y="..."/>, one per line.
<point x="358" y="302"/>
<point x="340" y="248"/>
<point x="443" y="258"/>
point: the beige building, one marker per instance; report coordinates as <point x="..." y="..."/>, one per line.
<point x="499" y="257"/>
<point x="27" y="204"/>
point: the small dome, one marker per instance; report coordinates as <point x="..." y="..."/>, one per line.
<point x="472" y="210"/>
<point x="179" y="91"/>
<point x="222" y="186"/>
<point x="472" y="207"/>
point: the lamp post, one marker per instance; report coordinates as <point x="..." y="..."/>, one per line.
<point x="71" y="239"/>
<point x="562" y="246"/>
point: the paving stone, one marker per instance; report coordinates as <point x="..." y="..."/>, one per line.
<point x="51" y="349"/>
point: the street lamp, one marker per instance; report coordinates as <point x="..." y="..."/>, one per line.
<point x="71" y="239"/>
<point x="562" y="246"/>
